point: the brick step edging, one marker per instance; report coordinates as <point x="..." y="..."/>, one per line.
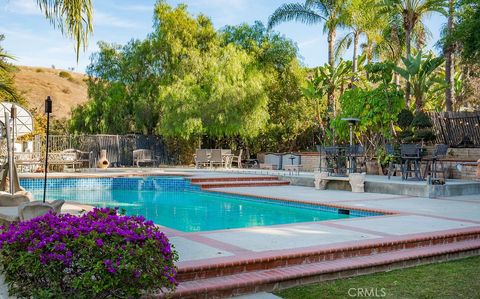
<point x="233" y="179"/>
<point x="211" y="270"/>
<point x="241" y="184"/>
<point x="271" y="280"/>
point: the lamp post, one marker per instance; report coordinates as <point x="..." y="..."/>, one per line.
<point x="351" y="122"/>
<point x="48" y="110"/>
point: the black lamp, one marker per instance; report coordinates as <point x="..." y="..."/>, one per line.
<point x="48" y="110"/>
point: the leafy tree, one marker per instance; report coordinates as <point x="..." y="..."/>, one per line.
<point x="276" y="57"/>
<point x="122" y="90"/>
<point x="223" y="95"/>
<point x="370" y="106"/>
<point x="466" y="32"/>
<point x="421" y="72"/>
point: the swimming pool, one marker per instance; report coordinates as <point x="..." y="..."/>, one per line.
<point x="175" y="203"/>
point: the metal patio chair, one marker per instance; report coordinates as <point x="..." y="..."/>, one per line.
<point x="411" y="158"/>
<point x="394" y="160"/>
<point x="439" y="153"/>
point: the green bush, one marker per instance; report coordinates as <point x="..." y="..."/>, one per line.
<point x="405" y="118"/>
<point x="98" y="255"/>
<point x="421" y="120"/>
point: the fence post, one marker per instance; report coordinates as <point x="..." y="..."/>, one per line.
<point x="119" y="157"/>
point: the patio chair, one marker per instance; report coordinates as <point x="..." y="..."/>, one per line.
<point x="354" y="152"/>
<point x="28" y="161"/>
<point x="227" y="157"/>
<point x="394" y="160"/>
<point x="237" y="159"/>
<point x="143" y="156"/>
<point x="201" y="158"/>
<point x="331" y="158"/>
<point x="65" y="158"/>
<point x="439" y="152"/>
<point x="216" y="158"/>
<point x="82" y="159"/>
<point x="410" y="154"/>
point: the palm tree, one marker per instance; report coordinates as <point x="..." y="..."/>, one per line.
<point x="360" y="19"/>
<point x="411" y="13"/>
<point x="448" y="54"/>
<point x="73" y="18"/>
<point x="330" y="12"/>
<point x="7" y="88"/>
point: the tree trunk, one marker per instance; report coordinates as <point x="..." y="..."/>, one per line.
<point x="449" y="67"/>
<point x="396" y="79"/>
<point x="407" y="85"/>
<point x="332" y="32"/>
<point x="354" y="58"/>
<point x="331" y="61"/>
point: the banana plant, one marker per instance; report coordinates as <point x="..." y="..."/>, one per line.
<point x="421" y="71"/>
<point x="331" y="80"/>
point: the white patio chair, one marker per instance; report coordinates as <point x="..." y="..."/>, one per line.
<point x="237" y="159"/>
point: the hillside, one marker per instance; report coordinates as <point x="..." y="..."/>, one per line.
<point x="66" y="88"/>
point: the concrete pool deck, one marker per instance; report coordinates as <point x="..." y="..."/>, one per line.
<point x="412" y="216"/>
<point x="230" y="262"/>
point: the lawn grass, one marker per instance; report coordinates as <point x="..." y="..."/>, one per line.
<point x="455" y="279"/>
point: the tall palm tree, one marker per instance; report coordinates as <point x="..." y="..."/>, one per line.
<point x="411" y="13"/>
<point x="74" y="18"/>
<point x="448" y="54"/>
<point x="329" y="12"/>
<point x="360" y="19"/>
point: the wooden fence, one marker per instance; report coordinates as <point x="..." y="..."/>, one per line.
<point x="457" y="129"/>
<point x="119" y="147"/>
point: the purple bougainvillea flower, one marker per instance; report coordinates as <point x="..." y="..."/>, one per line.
<point x="119" y="244"/>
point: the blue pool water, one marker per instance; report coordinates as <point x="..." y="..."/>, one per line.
<point x="174" y="203"/>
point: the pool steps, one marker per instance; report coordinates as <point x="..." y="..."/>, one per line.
<point x="229" y="182"/>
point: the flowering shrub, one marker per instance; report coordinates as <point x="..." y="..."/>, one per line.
<point x="97" y="255"/>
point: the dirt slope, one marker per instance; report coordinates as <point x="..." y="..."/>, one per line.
<point x="67" y="90"/>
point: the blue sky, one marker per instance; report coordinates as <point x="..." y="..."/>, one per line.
<point x="34" y="42"/>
